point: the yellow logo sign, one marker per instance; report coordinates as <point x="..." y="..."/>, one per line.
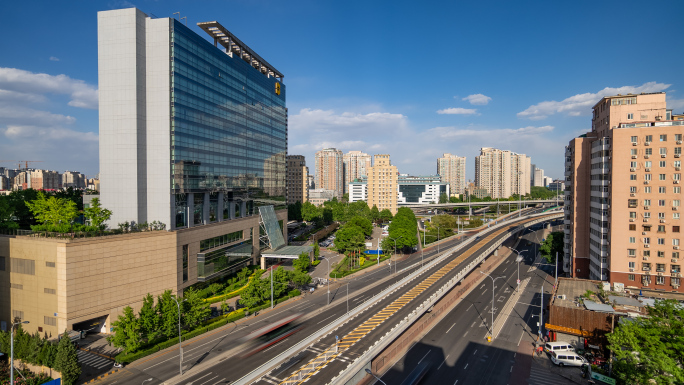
<point x="277" y="89"/>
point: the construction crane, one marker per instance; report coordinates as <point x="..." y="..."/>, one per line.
<point x="26" y="162"/>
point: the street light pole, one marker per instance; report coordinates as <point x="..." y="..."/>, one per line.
<point x="376" y="377"/>
<point x="180" y="345"/>
<point x="518" y="259"/>
<point x="327" y="280"/>
<point x="395" y="251"/>
<point x="438" y="239"/>
<point x="493" y="280"/>
<point x="12" y="350"/>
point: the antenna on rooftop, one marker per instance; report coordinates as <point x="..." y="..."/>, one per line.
<point x="177" y="13"/>
<point x="186" y="20"/>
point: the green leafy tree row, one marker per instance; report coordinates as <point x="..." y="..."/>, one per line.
<point x="403" y="229"/>
<point x="259" y="290"/>
<point x="650" y="350"/>
<point x="551" y="245"/>
<point x="37" y="350"/>
<point x="338" y="211"/>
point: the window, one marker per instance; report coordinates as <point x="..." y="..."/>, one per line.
<point x="663" y="138"/>
<point x="675" y="254"/>
<point x="49" y="264"/>
<point x="647" y="240"/>
<point x="662" y="163"/>
<point x="678" y="136"/>
<point x="632" y="189"/>
<point x="647" y="202"/>
<point x="633" y="164"/>
<point x="661" y="176"/>
<point x="649" y="138"/>
<point x="646" y="266"/>
<point x="661" y="215"/>
<point x="49" y="291"/>
<point x="17" y="286"/>
<point x="50" y="321"/>
<point x="660" y="280"/>
<point x="660" y="267"/>
<point x="661" y="254"/>
<point x="647" y="176"/>
<point x="677" y="190"/>
<point x="647" y="227"/>
<point x="632" y="177"/>
<point x="632" y="227"/>
<point x="661" y="241"/>
<point x="647" y="253"/>
<point x="674" y="281"/>
<point x="675" y="229"/>
<point x="675" y="242"/>
<point x="662" y="189"/>
<point x="675" y="202"/>
<point x="631" y="116"/>
<point x="661" y="202"/>
<point x="675" y="269"/>
<point x="633" y="152"/>
<point x="661" y="228"/>
<point x="185" y="263"/>
<point x="631" y="252"/>
<point x="647" y="215"/>
<point x="677" y="176"/>
<point x="649" y="151"/>
<point x="647" y="189"/>
<point x="663" y="151"/>
<point x="630" y="277"/>
<point x="675" y="215"/>
<point x="632" y="265"/>
<point x="648" y="164"/>
<point x="23" y="266"/>
<point x="678" y="151"/>
<point x="632" y="214"/>
<point x="678" y="163"/>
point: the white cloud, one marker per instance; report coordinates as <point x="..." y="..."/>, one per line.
<point x="458" y="111"/>
<point x="581" y="104"/>
<point x="53" y="58"/>
<point x="484" y="134"/>
<point x="82" y="94"/>
<point x="478" y="99"/>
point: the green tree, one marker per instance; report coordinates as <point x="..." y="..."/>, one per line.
<point x="443" y="221"/>
<point x="350" y="237"/>
<point x="551" y="245"/>
<point x="168" y="311"/>
<point x="302" y="263"/>
<point x="243" y="274"/>
<point x="327" y="216"/>
<point x="650" y="348"/>
<point x="294" y="211"/>
<point x="214" y="288"/>
<point x="66" y="360"/>
<point x="96" y="214"/>
<point x="385" y="215"/>
<point x="316" y="250"/>
<point x="195" y="310"/>
<point x="363" y="223"/>
<point x="310" y="212"/>
<point x="6" y="214"/>
<point x="443" y="198"/>
<point x="54" y="213"/>
<point x="126" y="332"/>
<point x="148" y="318"/>
<point x="375" y="214"/>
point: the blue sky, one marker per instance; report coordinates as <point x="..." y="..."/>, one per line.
<point x="412" y="79"/>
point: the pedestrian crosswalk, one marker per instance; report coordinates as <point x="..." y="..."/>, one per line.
<point x="542" y="376"/>
<point x="94" y="360"/>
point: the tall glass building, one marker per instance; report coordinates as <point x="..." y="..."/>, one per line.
<point x="191" y="132"/>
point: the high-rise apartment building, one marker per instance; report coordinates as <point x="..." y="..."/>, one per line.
<point x="73" y="179"/>
<point x="382" y="184"/>
<point x="297" y="179"/>
<point x="452" y="169"/>
<point x="538" y="178"/>
<point x="502" y="173"/>
<point x="38" y="180"/>
<point x="329" y="171"/>
<point x="623" y="195"/>
<point x="356" y="164"/>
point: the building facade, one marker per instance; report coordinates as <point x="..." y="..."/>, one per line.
<point x="452" y="169"/>
<point x="358" y="190"/>
<point x="320" y="195"/>
<point x="538" y="178"/>
<point x="330" y="171"/>
<point x="623" y="186"/>
<point x="421" y="189"/>
<point x="297" y="179"/>
<point x="502" y="173"/>
<point x="356" y="164"/>
<point x="190" y="131"/>
<point x="382" y="184"/>
<point x="73" y="179"/>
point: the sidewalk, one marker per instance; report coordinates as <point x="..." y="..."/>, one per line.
<point x="97" y="343"/>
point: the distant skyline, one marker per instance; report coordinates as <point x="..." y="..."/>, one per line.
<point x="407" y="79"/>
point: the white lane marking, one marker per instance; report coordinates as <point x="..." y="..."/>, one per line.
<point x="475" y="352"/>
<point x="440" y="365"/>
<point x="211" y="379"/>
<point x="466" y="367"/>
<point x="450" y="328"/>
<point x="464" y="334"/>
<point x="220" y="381"/>
<point x="456" y="382"/>
<point x="471" y="305"/>
<point x="421" y="360"/>
<point x="192" y="382"/>
<point x="511" y="371"/>
<point x="474" y="322"/>
<point x="325" y="319"/>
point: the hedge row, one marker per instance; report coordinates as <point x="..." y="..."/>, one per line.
<point x="234" y="293"/>
<point x="336" y="273"/>
<point x="210" y="325"/>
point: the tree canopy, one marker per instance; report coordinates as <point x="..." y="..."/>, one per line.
<point x="54" y="213"/>
<point x="650" y="348"/>
<point x="403" y="229"/>
<point x="551" y="245"/>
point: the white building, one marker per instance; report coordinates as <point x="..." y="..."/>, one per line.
<point x="358" y="190"/>
<point x="502" y="173"/>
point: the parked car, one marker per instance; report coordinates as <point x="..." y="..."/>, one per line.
<point x="558" y="346"/>
<point x="567" y="358"/>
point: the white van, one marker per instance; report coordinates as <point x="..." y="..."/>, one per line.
<point x="558" y="346"/>
<point x="567" y="358"/>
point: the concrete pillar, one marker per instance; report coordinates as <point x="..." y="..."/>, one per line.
<point x="219" y="207"/>
<point x="263" y="263"/>
<point x="255" y="244"/>
<point x="243" y="209"/>
<point x="191" y="209"/>
<point x="231" y="207"/>
<point x="206" y="209"/>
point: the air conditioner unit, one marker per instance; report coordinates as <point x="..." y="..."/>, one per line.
<point x="675" y="286"/>
<point x="562" y="296"/>
<point x="647" y="157"/>
<point x="676" y="275"/>
<point x="634" y="156"/>
<point x="631" y="219"/>
<point x="645" y="258"/>
<point x="647" y="169"/>
<point x="647" y="207"/>
<point x="674" y="259"/>
<point x="631" y="270"/>
<point x="663" y="155"/>
<point x="645" y="219"/>
<point x="647" y="245"/>
<point x="679" y="142"/>
<point x="678" y="168"/>
<point x="647" y="143"/>
<point x="675" y="208"/>
<point x="646" y="182"/>
<point x="676" y="182"/>
<point x="632" y="169"/>
<point x="660" y="274"/>
<point x="632" y="194"/>
<point x="676" y="247"/>
<point x="643" y="233"/>
<point x="645" y="284"/>
<point x="677" y="155"/>
<point x="662" y="221"/>
<point x="634" y="143"/>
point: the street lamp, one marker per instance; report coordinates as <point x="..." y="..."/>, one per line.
<point x="518" y="259"/>
<point x="149" y="379"/>
<point x="180" y="345"/>
<point x="493" y="280"/>
<point x="12" y="350"/>
<point x="376" y="377"/>
<point x="327" y="279"/>
<point x="395" y="251"/>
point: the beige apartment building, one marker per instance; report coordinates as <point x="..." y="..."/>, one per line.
<point x="356" y="165"/>
<point x="38" y="180"/>
<point x="623" y="195"/>
<point x="382" y="184"/>
<point x="452" y="169"/>
<point x="297" y="179"/>
<point x="330" y="171"/>
<point x="502" y="173"/>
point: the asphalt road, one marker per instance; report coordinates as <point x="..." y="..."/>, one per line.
<point x="456" y="349"/>
<point x="223" y="344"/>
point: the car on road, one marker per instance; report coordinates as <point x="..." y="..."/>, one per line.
<point x="558" y="346"/>
<point x="567" y="358"/>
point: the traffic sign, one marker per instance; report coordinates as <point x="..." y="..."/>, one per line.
<point x="518" y="282"/>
